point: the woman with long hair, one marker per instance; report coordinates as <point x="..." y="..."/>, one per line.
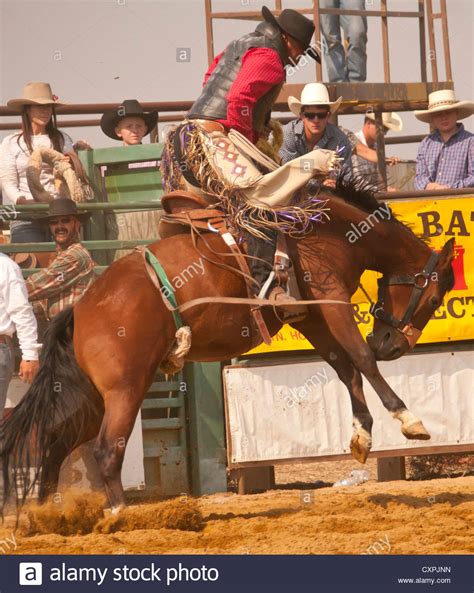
<point x="38" y="129"/>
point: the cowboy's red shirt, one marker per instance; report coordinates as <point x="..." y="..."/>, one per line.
<point x="261" y="70"/>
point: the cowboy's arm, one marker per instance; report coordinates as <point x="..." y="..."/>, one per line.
<point x="469" y="180"/>
<point x="261" y="70"/>
<point x="60" y="275"/>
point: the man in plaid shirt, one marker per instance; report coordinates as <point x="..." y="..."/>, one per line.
<point x="445" y="157"/>
<point x="71" y="273"/>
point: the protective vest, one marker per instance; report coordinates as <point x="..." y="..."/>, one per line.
<point x="212" y="103"/>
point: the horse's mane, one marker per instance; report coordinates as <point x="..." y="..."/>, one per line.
<point x="361" y="194"/>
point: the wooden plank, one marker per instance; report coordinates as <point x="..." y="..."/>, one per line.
<point x="164" y="386"/>
<point x="209" y="32"/>
<point x="385" y="46"/>
<point x="127" y="154"/>
<point x="447" y="52"/>
<point x="469" y="448"/>
<point x="133" y="185"/>
<point x="161" y="423"/>
<point x="161" y="403"/>
<point x="250" y="15"/>
<point x="253" y="480"/>
<point x="431" y="37"/>
<point x="381" y="164"/>
<point x="422" y="35"/>
<point x="391" y="468"/>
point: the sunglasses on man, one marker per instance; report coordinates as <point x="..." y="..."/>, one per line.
<point x="315" y="115"/>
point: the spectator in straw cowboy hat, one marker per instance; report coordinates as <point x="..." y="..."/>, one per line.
<point x="445" y="157"/>
<point x="312" y="128"/>
<point x="37" y="106"/>
<point x="71" y="273"/>
<point x="364" y="145"/>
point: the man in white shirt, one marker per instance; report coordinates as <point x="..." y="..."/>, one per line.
<point x="16" y="314"/>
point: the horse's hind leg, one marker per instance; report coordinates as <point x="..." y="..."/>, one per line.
<point x="334" y="354"/>
<point x="61" y="446"/>
<point x="121" y="410"/>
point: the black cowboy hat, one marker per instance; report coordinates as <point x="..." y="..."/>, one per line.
<point x="295" y="24"/>
<point x="64" y="207"/>
<point x="129" y="108"/>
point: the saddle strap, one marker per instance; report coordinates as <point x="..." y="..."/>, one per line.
<point x="242" y="263"/>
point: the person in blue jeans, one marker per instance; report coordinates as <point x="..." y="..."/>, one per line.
<point x="341" y="67"/>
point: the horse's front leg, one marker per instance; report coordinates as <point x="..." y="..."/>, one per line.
<point x="344" y="330"/>
<point x="334" y="354"/>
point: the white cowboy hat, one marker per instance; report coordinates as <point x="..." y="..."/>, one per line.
<point x="35" y="93"/>
<point x="314" y="93"/>
<point x="390" y="120"/>
<point x="445" y="101"/>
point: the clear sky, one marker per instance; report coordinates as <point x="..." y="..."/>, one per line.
<point x="110" y="50"/>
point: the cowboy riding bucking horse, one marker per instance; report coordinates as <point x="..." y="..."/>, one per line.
<point x="213" y="153"/>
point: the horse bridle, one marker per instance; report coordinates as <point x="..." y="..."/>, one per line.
<point x="419" y="281"/>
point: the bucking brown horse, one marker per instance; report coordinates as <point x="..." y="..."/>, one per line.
<point x="100" y="358"/>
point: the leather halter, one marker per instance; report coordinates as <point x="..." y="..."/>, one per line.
<point x="419" y="282"/>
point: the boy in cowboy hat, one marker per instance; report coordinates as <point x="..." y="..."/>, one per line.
<point x="128" y="122"/>
<point x="71" y="273"/>
<point x="445" y="157"/>
<point x="312" y="128"/>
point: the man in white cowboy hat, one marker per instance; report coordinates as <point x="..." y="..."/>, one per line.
<point x="445" y="157"/>
<point x="312" y="128"/>
<point x="364" y="145"/>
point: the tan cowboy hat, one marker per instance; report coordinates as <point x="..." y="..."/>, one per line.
<point x="391" y="120"/>
<point x="445" y="101"/>
<point x="314" y="93"/>
<point x="35" y="93"/>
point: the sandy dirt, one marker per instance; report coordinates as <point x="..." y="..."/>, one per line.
<point x="430" y="517"/>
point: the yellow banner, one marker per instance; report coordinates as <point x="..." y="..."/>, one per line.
<point x="439" y="219"/>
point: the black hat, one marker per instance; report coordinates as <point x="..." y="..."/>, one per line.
<point x="64" y="207"/>
<point x="129" y="108"/>
<point x="295" y="24"/>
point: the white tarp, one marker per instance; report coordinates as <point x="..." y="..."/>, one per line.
<point x="303" y="410"/>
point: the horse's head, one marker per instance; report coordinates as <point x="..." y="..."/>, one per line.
<point x="406" y="302"/>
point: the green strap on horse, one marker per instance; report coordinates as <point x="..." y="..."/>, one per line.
<point x="166" y="284"/>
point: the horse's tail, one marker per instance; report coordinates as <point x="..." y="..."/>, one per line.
<point x="48" y="413"/>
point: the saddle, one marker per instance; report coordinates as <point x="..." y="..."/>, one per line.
<point x="186" y="212"/>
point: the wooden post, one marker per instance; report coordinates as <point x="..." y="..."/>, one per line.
<point x="317" y="39"/>
<point x="447" y="54"/>
<point x="209" y="32"/>
<point x="381" y="149"/>
<point x="431" y="37"/>
<point x="386" y="54"/>
<point x="252" y="480"/>
<point x="390" y="468"/>
<point x="421" y="21"/>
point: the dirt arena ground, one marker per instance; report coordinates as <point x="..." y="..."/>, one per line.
<point x="400" y="517"/>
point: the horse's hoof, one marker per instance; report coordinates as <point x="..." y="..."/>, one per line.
<point x="360" y="447"/>
<point x="116" y="510"/>
<point x="416" y="431"/>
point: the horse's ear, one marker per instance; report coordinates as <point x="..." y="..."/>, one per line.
<point x="447" y="253"/>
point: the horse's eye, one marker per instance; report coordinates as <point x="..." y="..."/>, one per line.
<point x="434" y="301"/>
